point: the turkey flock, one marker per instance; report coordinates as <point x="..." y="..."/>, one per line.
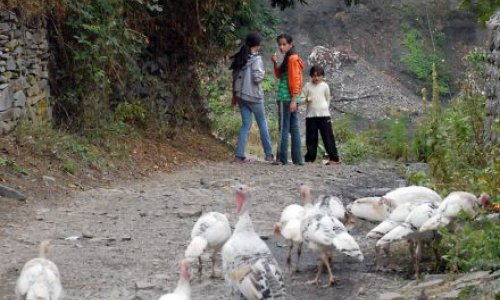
<point x="249" y="268"/>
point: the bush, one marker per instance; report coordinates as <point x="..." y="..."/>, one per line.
<point x="356" y="150"/>
<point x="476" y="246"/>
<point x="395" y="138"/>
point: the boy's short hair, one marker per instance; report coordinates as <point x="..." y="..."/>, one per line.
<point x="317" y="69"/>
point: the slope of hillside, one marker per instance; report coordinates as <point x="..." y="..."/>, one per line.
<point x="373" y="33"/>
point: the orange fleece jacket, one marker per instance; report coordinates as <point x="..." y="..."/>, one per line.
<point x="295" y="66"/>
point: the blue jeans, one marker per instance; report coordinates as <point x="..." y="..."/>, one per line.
<point x="289" y="124"/>
<point x="257" y="109"/>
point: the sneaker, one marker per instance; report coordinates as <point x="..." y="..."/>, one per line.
<point x="333" y="162"/>
<point x="269" y="158"/>
<point x="242" y="160"/>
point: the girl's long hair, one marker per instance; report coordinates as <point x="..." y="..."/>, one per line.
<point x="241" y="57"/>
<point x="289" y="40"/>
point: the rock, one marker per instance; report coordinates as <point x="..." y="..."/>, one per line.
<point x="361" y="292"/>
<point x="449" y="295"/>
<point x="472" y="277"/>
<point x="391" y="296"/>
<point x="126" y="237"/>
<point x="188" y="214"/>
<point x="427" y="284"/>
<point x="144" y="285"/>
<point x="86" y="234"/>
<point x="48" y="180"/>
<point x="9" y="192"/>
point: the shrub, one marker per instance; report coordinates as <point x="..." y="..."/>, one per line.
<point x="356" y="150"/>
<point x="395" y="138"/>
<point x="476" y="246"/>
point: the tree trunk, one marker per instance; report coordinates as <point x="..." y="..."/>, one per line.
<point x="492" y="138"/>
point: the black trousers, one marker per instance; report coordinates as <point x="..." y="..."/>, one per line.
<point x="324" y="126"/>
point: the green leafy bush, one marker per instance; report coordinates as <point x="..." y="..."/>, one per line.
<point x="130" y="112"/>
<point x="419" y="61"/>
<point x="356" y="150"/>
<point x="476" y="246"/>
<point x="69" y="166"/>
<point x="395" y="138"/>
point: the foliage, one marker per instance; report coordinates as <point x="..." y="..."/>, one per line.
<point x="476" y="246"/>
<point x="395" y="138"/>
<point x="420" y="178"/>
<point x="104" y="50"/>
<point x="13" y="166"/>
<point x="69" y="166"/>
<point x="253" y="15"/>
<point x="130" y="112"/>
<point x="356" y="149"/>
<point x="451" y="140"/>
<point x="482" y="9"/>
<point x="476" y="60"/>
<point x="4" y="161"/>
<point x="344" y="127"/>
<point x="419" y="62"/>
<point x="94" y="150"/>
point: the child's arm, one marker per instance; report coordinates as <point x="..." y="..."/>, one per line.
<point x="258" y="70"/>
<point x="327" y="94"/>
<point x="294" y="75"/>
<point x="277" y="71"/>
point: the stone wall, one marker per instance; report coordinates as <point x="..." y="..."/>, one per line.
<point x="24" y="76"/>
<point x="493" y="81"/>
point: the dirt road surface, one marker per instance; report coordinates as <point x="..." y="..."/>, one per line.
<point x="131" y="235"/>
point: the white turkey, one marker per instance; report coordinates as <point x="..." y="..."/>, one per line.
<point x="369" y="209"/>
<point x="409" y="230"/>
<point x="251" y="271"/>
<point x="320" y="231"/>
<point x="209" y="233"/>
<point x="451" y="206"/>
<point x="333" y="205"/>
<point x="379" y="208"/>
<point x="413" y="194"/>
<point x="39" y="279"/>
<point x="183" y="289"/>
<point x="397" y="216"/>
<point x="289" y="228"/>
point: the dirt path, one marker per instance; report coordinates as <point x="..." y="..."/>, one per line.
<point x="139" y="230"/>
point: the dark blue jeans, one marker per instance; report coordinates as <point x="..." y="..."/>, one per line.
<point x="289" y="124"/>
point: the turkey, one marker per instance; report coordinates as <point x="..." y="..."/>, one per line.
<point x="209" y="233"/>
<point x="412" y="194"/>
<point x="39" y="279"/>
<point x="289" y="228"/>
<point x="369" y="209"/>
<point x="379" y="208"/>
<point x="320" y="231"/>
<point x="397" y="216"/>
<point x="450" y="207"/>
<point x="183" y="289"/>
<point x="333" y="205"/>
<point x="408" y="230"/>
<point x="251" y="271"/>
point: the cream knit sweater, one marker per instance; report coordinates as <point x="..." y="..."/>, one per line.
<point x="317" y="99"/>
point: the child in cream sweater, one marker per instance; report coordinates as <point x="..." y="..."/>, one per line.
<point x="317" y="99"/>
